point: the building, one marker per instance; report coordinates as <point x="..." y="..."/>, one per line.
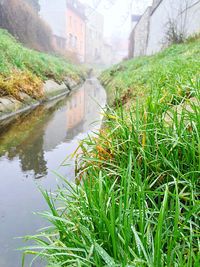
<point x="107" y="54"/>
<point x="120" y="48"/>
<point x="54" y="14"/>
<point x="134" y="20"/>
<point x="67" y="21"/>
<point x="79" y="31"/>
<point x="139" y="36"/>
<point x="75" y="24"/>
<point x="94" y="36"/>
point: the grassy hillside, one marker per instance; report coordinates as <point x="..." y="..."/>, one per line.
<point x="173" y="74"/>
<point x="22" y="69"/>
<point x="138" y="199"/>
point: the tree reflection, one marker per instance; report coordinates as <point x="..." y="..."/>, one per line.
<point x="32" y="159"/>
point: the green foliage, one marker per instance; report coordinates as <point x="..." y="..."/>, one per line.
<point x="14" y="56"/>
<point x="138" y="199"/>
<point x="21" y="67"/>
<point x="138" y="204"/>
<point x="173" y="72"/>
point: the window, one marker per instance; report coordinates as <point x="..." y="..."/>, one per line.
<point x="75" y="102"/>
<point x="61" y="42"/>
<point x="75" y="42"/>
<point x="90" y="33"/>
<point x="96" y="53"/>
<point x="70" y="40"/>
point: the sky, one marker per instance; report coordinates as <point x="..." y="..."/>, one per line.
<point x="117" y="17"/>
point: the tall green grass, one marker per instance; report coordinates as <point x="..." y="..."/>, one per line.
<point x="173" y="71"/>
<point x="138" y="199"/>
<point x="15" y="57"/>
<point x="25" y="70"/>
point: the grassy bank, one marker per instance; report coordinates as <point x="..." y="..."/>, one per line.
<point x="24" y="70"/>
<point x="138" y="199"/>
<point x="172" y="73"/>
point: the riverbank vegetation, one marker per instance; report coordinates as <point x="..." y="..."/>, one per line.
<point x="25" y="70"/>
<point x="173" y="72"/>
<point x="137" y="202"/>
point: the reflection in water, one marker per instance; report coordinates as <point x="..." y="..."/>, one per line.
<point x="76" y="109"/>
<point x="33" y="161"/>
<point x="30" y="136"/>
<point x="32" y="146"/>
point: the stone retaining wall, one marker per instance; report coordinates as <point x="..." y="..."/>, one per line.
<point x="139" y="36"/>
<point x="150" y="34"/>
<point x="10" y="106"/>
<point x="185" y="14"/>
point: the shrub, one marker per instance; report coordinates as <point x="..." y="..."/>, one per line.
<point x="24" y="23"/>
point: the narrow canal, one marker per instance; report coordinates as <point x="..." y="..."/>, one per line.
<point x="31" y="148"/>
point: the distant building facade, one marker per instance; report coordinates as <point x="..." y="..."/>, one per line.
<point x="94" y="36"/>
<point x="53" y="12"/>
<point x="107" y="54"/>
<point x="75" y="24"/>
<point x="79" y="30"/>
<point x="67" y="21"/>
<point x="139" y="36"/>
<point x="134" y="20"/>
<point x="120" y="48"/>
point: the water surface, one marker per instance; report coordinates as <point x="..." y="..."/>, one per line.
<point x="31" y="148"/>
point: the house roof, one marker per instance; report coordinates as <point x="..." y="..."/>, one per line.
<point x="147" y="10"/>
<point x="76" y="7"/>
<point x="135" y="18"/>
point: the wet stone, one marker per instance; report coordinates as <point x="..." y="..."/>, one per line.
<point x="5" y="101"/>
<point x="51" y="86"/>
<point x="2" y="107"/>
<point x="71" y="82"/>
<point x="24" y="97"/>
<point x="9" y="104"/>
